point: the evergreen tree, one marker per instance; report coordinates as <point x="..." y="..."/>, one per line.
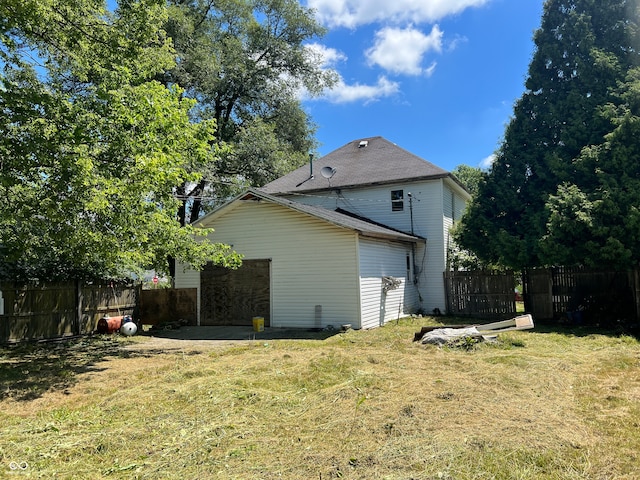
<point x="595" y="220"/>
<point x="584" y="49"/>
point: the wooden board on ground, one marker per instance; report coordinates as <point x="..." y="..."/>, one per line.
<point x="521" y="322"/>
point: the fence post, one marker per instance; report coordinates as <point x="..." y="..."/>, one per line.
<point x="4" y="322"/>
<point x="78" y="316"/>
<point x="636" y="290"/>
<point x="526" y="299"/>
<point x="447" y="294"/>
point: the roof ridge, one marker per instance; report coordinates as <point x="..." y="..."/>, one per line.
<point x="365" y="161"/>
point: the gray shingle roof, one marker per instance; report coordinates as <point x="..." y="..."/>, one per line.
<point x="379" y="162"/>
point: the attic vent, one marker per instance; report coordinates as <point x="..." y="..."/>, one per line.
<point x="251" y="196"/>
<point x="363" y="143"/>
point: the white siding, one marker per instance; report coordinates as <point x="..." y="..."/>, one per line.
<point x="378" y="259"/>
<point x="370" y="202"/>
<point x="374" y="202"/>
<point x="316" y="264"/>
<point x="313" y="263"/>
<point x="454" y="206"/>
<point x="449" y="202"/>
<point x="428" y="220"/>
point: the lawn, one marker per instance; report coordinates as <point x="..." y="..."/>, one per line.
<point x="539" y="404"/>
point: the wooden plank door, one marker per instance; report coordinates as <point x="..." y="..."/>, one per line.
<point x="234" y="297"/>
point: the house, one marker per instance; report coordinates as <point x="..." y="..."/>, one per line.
<point x="356" y="237"/>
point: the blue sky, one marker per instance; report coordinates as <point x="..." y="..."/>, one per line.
<point x="437" y="77"/>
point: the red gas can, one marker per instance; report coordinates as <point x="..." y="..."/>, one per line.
<point x="109" y="324"/>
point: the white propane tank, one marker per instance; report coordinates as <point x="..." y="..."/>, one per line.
<point x="128" y="329"/>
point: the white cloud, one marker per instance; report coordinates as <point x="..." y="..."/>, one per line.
<point x="455" y="42"/>
<point x="352" y="13"/>
<point x="488" y="161"/>
<point x="399" y="47"/>
<point x="343" y="93"/>
<point x="327" y="58"/>
<point x="401" y="50"/>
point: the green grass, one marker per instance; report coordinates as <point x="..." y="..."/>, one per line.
<point x="542" y="404"/>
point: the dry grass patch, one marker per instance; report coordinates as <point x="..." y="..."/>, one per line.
<point x="358" y="405"/>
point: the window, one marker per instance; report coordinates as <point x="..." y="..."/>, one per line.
<point x="397" y="200"/>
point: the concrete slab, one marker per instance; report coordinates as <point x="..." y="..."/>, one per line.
<point x="226" y="333"/>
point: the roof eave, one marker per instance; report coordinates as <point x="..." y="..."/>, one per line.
<point x="402" y="238"/>
<point x="395" y="238"/>
<point x="369" y="184"/>
<point x="294" y="206"/>
<point x="256" y="195"/>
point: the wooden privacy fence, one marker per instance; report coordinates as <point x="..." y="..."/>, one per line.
<point x="480" y="293"/>
<point x="575" y="294"/>
<point x="582" y="294"/>
<point x="53" y="310"/>
<point x="169" y="305"/>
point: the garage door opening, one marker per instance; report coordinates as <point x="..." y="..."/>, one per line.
<point x="234" y="297"/>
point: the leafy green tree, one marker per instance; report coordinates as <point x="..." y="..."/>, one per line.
<point x="584" y="48"/>
<point x="245" y="61"/>
<point x="459" y="258"/>
<point x="470" y="177"/>
<point x="91" y="147"/>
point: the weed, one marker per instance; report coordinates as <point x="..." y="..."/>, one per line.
<point x="465" y="342"/>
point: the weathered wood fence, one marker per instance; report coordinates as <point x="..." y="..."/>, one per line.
<point x="577" y="295"/>
<point x="169" y="305"/>
<point x="480" y="293"/>
<point x="54" y="310"/>
<point x="582" y="295"/>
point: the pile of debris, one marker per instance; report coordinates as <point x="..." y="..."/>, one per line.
<point x="449" y="334"/>
<point x="169" y="325"/>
